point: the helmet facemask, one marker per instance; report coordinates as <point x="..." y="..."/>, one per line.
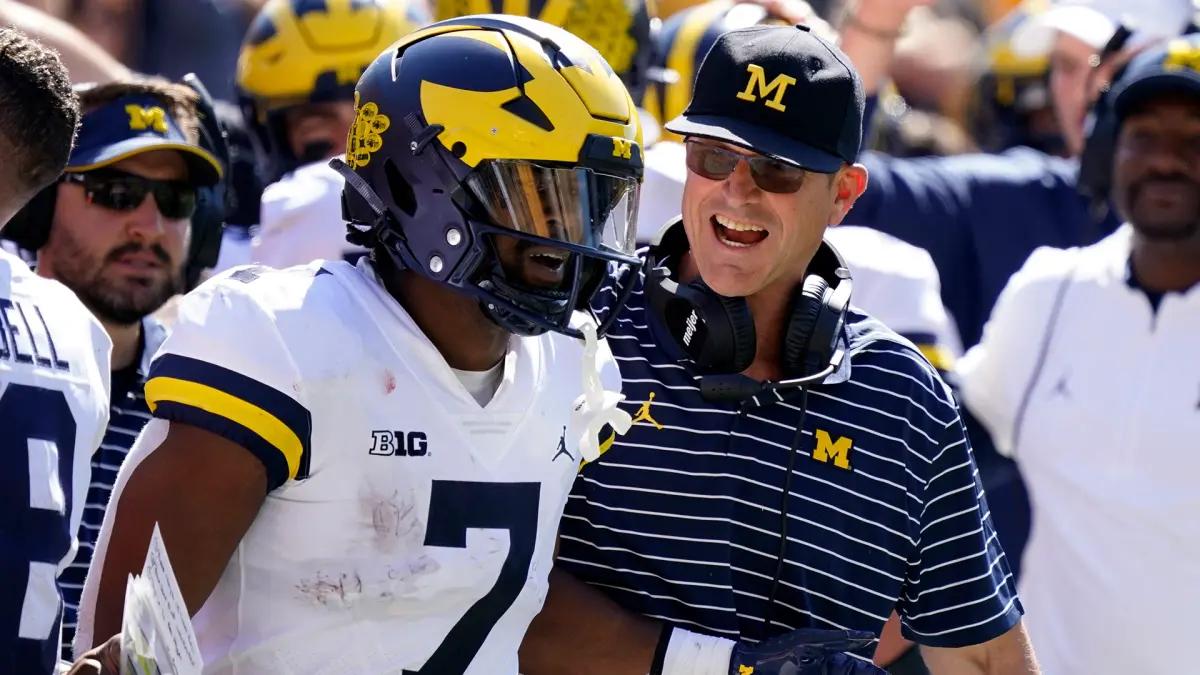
<point x="550" y="232"/>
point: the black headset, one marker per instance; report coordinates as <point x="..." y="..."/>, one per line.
<point x="30" y="227"/>
<point x="717" y="332"/>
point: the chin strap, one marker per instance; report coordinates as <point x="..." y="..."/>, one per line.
<point x="597" y="407"/>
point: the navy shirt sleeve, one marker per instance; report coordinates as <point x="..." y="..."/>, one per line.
<point x="958" y="590"/>
<point x="979" y="216"/>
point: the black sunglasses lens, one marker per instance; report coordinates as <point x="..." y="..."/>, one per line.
<point x="175" y="200"/>
<point x="711" y="162"/>
<point x="775" y="176"/>
<point x="126" y="193"/>
<point x="118" y="194"/>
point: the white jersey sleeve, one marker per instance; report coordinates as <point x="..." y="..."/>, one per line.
<point x="301" y="220"/>
<point x="54" y="401"/>
<point x="898" y="284"/>
<point x="995" y="374"/>
<point x="662" y="188"/>
<point x="225" y="368"/>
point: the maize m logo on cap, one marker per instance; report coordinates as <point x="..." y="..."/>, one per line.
<point x="141" y="118"/>
<point x="771" y="92"/>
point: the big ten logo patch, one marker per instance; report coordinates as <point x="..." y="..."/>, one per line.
<point x="833" y="452"/>
<point x="399" y="443"/>
<point x="141" y="119"/>
<point x="365" y="134"/>
<point x="772" y="92"/>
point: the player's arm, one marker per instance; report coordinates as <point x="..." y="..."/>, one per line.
<point x="581" y="631"/>
<point x="1008" y="653"/>
<point x="204" y="491"/>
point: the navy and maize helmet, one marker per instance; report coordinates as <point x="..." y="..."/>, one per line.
<point x="1011" y="105"/>
<point x="500" y="156"/>
<point x="621" y="30"/>
<point x="311" y="51"/>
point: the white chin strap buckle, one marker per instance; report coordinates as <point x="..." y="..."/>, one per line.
<point x="597" y="406"/>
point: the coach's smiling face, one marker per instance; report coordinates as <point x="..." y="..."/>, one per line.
<point x="746" y="240"/>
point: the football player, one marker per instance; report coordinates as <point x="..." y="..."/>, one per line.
<point x="295" y="79"/>
<point x="53" y="371"/>
<point x="362" y="469"/>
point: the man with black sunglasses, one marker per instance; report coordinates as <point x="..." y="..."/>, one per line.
<point x="115" y="229"/>
<point x="795" y="471"/>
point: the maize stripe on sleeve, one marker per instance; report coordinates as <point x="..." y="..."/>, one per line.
<point x="270" y="424"/>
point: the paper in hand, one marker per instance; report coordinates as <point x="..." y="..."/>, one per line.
<point x="156" y="633"/>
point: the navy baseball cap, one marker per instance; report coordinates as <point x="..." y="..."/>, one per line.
<point x="134" y="124"/>
<point x="1170" y="68"/>
<point x="779" y="91"/>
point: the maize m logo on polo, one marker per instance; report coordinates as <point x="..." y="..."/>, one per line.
<point x="771" y="92"/>
<point x="830" y="451"/>
<point x="141" y="118"/>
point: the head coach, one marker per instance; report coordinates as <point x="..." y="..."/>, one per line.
<point x="793" y="466"/>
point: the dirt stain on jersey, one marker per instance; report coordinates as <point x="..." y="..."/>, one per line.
<point x="392" y="519"/>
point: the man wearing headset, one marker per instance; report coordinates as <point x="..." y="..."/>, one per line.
<point x="115" y="228"/>
<point x="793" y="464"/>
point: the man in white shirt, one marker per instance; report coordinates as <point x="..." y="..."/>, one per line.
<point x="1088" y="374"/>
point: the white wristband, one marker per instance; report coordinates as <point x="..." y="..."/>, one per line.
<point x="691" y="653"/>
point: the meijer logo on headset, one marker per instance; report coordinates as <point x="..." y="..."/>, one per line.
<point x="690" y="331"/>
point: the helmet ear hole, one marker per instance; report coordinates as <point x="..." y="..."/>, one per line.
<point x="401" y="190"/>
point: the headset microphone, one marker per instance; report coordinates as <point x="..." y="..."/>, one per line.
<point x="737" y="387"/>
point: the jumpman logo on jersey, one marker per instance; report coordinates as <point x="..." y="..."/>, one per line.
<point x="562" y="447"/>
<point x="643" y="414"/>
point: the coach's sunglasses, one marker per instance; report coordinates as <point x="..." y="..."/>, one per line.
<point x="121" y="191"/>
<point x="716" y="163"/>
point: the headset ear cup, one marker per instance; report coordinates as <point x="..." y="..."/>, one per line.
<point x="30" y="227"/>
<point x="807" y="306"/>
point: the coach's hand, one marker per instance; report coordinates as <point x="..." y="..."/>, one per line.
<point x="806" y="651"/>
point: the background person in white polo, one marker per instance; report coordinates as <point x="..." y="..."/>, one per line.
<point x="1089" y="375"/>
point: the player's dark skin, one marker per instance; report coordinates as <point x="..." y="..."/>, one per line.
<point x="1156" y="179"/>
<point x="205" y="491"/>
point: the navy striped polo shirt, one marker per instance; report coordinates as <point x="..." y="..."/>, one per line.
<point x="127" y="414"/>
<point x="680" y="518"/>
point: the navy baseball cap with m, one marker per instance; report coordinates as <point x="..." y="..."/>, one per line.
<point x="779" y="91"/>
<point x="1168" y="69"/>
<point x="134" y="124"/>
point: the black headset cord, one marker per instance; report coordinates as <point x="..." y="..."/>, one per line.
<point x="783" y="513"/>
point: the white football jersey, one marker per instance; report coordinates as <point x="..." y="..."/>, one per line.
<point x="301" y="219"/>
<point x="54" y="389"/>
<point x="898" y="284"/>
<point x="407" y="529"/>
